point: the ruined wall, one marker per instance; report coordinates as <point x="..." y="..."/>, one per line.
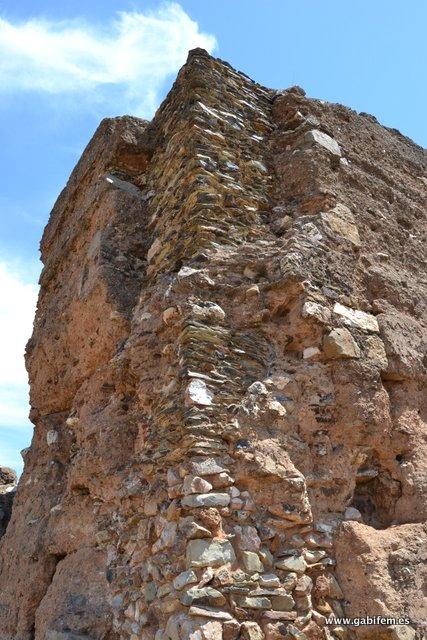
<point x="7" y="493"/>
<point x="226" y="379"/>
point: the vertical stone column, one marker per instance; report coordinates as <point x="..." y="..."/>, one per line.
<point x="219" y="547"/>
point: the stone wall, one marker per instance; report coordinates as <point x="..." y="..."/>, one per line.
<point x="7" y="493"/>
<point x="227" y="376"/>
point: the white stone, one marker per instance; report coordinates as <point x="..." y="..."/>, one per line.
<point x="195" y="484"/>
<point x="206" y="500"/>
<point x="356" y="318"/>
<point x="310" y="352"/>
<point x="315" y="136"/>
<point x="209" y="612"/>
<point x="185" y="272"/>
<point x="207" y="576"/>
<point x="269" y="580"/>
<point x="51" y="437"/>
<point x="314" y="555"/>
<point x="209" y="553"/>
<point x="211" y="630"/>
<point x="207" y="467"/>
<point x="251" y="562"/>
<point x="208" y="311"/>
<point x="315" y="310"/>
<point x="292" y="563"/>
<point x="276" y="407"/>
<point x="198" y="393"/>
<point x="257" y="389"/>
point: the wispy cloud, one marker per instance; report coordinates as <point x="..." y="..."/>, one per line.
<point x="127" y="60"/>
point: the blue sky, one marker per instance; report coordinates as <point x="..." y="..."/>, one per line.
<point x="65" y="65"/>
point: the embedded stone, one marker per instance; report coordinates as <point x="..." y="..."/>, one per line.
<point x="184" y="578"/>
<point x="249" y="602"/>
<point x="339" y="343"/>
<point x="150" y="507"/>
<point x="251" y="631"/>
<point x="206" y="500"/>
<point x="315" y="310"/>
<point x="211" y="630"/>
<point x="248" y="538"/>
<point x="269" y="580"/>
<point x="154" y="249"/>
<point x="257" y="389"/>
<point x="51" y="437"/>
<point x="251" y="562"/>
<point x="310" y="352"/>
<point x="231" y="630"/>
<point x="198" y="393"/>
<point x="292" y="563"/>
<point x="314" y="555"/>
<point x="356" y="318"/>
<point x="204" y="595"/>
<point x="205" y="553"/>
<point x="208" y="311"/>
<point x="209" y="612"/>
<point x="280" y="615"/>
<point x="402" y="632"/>
<point x="282" y="602"/>
<point x="172" y="478"/>
<point x="170" y="315"/>
<point x="150" y="591"/>
<point x="193" y="530"/>
<point x="195" y="484"/>
<point x="316" y="137"/>
<point x="376" y="352"/>
<point x="206" y="577"/>
<point x="303" y="585"/>
<point x="206" y="467"/>
<point x="167" y="537"/>
<point x="341" y="222"/>
<point x="351" y="513"/>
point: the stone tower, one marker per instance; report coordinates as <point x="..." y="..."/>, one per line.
<point x="226" y="379"/>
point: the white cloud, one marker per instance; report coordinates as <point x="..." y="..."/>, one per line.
<point x="18" y="299"/>
<point x="128" y="59"/>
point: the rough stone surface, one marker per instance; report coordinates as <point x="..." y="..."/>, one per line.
<point x="187" y="410"/>
<point x="339" y="343"/>
<point x="7" y="493"/>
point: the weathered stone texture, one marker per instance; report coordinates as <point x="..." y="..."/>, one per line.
<point x="7" y="493"/>
<point x="227" y="377"/>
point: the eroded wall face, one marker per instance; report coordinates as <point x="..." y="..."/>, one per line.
<point x="227" y="378"/>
